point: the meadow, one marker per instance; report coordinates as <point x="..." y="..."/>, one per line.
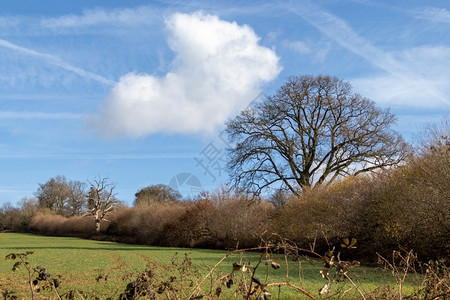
<point x="104" y="269"/>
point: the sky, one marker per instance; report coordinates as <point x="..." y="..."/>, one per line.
<point x="139" y="91"/>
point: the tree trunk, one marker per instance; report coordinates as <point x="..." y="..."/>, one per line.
<point x="97" y="225"/>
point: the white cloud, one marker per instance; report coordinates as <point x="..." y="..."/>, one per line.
<point x="434" y="14"/>
<point x="219" y="69"/>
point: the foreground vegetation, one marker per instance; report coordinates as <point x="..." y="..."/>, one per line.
<point x="103" y="269"/>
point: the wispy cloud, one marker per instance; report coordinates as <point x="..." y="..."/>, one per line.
<point x="38" y="115"/>
<point x="56" y="61"/>
<point x="297" y="46"/>
<point x="430" y="62"/>
<point x="219" y="68"/>
<point x="338" y="30"/>
<point x="99" y="16"/>
<point x="73" y="155"/>
<point x="317" y="50"/>
<point x="434" y="14"/>
<point x="10" y="21"/>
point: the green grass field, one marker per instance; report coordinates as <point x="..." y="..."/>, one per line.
<point x="80" y="262"/>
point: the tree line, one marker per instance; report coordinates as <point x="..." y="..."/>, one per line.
<point x="95" y="198"/>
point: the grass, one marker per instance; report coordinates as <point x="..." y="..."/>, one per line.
<point x="80" y="262"/>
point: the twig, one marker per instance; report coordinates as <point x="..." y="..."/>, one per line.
<point x="292" y="286"/>
<point x="209" y="273"/>
<point x="354" y="285"/>
<point x="253" y="276"/>
<point x="286" y="262"/>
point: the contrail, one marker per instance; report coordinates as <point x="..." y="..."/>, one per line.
<point x="344" y="35"/>
<point x="37" y="115"/>
<point x="57" y="62"/>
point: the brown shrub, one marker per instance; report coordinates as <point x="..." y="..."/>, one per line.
<point x="52" y="224"/>
<point x="80" y="225"/>
<point x="144" y="224"/>
<point x="324" y="213"/>
<point x="241" y="221"/>
<point x="191" y="228"/>
<point x="203" y="223"/>
<point x="408" y="208"/>
<point x="151" y="221"/>
<point x="122" y="223"/>
<point x="13" y="219"/>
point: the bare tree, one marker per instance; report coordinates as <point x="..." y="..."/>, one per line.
<point x="54" y="194"/>
<point x="76" y="202"/>
<point x="313" y="130"/>
<point x="65" y="197"/>
<point x="101" y="200"/>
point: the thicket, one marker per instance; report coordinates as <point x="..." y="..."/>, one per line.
<point x="404" y="207"/>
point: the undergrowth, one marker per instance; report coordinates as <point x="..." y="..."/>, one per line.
<point x="255" y="279"/>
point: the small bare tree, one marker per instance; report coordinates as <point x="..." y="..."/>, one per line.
<point x="101" y="200"/>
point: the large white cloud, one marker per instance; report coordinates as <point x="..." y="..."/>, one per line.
<point x="219" y="69"/>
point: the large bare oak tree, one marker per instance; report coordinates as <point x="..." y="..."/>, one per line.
<point x="313" y="130"/>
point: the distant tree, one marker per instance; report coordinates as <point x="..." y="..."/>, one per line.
<point x="54" y="194"/>
<point x="28" y="206"/>
<point x="158" y="193"/>
<point x="429" y="175"/>
<point x="312" y="131"/>
<point x="62" y="196"/>
<point x="8" y="216"/>
<point x="101" y="200"/>
<point x="76" y="202"/>
<point x="280" y="197"/>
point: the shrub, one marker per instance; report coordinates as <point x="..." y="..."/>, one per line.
<point x="152" y="220"/>
<point x="323" y="215"/>
<point x="240" y="221"/>
<point x="51" y="224"/>
<point x="191" y="229"/>
<point x="144" y="224"/>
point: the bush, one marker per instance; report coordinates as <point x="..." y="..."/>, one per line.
<point x="190" y="229"/>
<point x="323" y="215"/>
<point x="209" y="222"/>
<point x="51" y="224"/>
<point x="240" y="222"/>
<point x="14" y="219"/>
<point x="144" y="224"/>
<point x="404" y="207"/>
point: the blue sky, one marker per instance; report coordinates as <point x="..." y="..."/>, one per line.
<point x="138" y="91"/>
